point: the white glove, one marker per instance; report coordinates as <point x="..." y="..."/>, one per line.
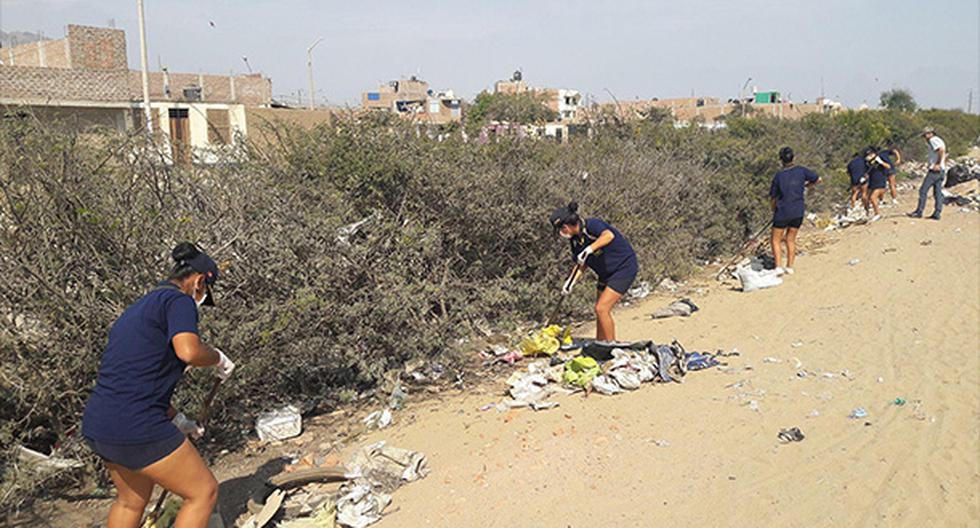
<point x="187" y="426"/>
<point x="225" y="366"/>
<point x="585" y="254"/>
<point x="566" y="289"/>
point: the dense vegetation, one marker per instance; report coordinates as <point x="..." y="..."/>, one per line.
<point x="455" y="238"/>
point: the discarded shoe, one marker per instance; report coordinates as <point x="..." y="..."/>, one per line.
<point x="787" y="436"/>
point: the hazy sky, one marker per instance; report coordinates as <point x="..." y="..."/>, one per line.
<point x="632" y="48"/>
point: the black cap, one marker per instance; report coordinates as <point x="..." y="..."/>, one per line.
<point x="786" y="154"/>
<point x="563" y="215"/>
<point x="203" y="264"/>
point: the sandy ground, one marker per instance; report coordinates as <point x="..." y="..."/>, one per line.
<point x="903" y="322"/>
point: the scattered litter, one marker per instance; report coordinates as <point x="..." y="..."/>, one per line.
<point x="546" y="341"/>
<point x="899" y="401"/>
<point x="880" y="379"/>
<point x="605" y="385"/>
<point x="858" y="412"/>
<point x="324" y="516"/>
<point x="661" y="443"/>
<point x="361" y="506"/>
<point x="42" y="463"/>
<point x="379" y="419"/>
<point x="699" y="361"/>
<point x="790" y="435"/>
<point x="925" y="243"/>
<point x="829" y="375"/>
<point x="797" y="344"/>
<point x="640" y="291"/>
<point x="801" y="373"/>
<point x="580" y="371"/>
<point x="754" y="405"/>
<point x="770" y="359"/>
<point x="280" y="424"/>
<point x="754" y="280"/>
<point x="854" y="262"/>
<point x="814" y="413"/>
<point x="680" y="308"/>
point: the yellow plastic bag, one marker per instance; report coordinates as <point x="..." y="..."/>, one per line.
<point x="546" y="341"/>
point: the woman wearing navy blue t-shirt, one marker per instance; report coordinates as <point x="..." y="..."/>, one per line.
<point x="128" y="419"/>
<point x="788" y="207"/>
<point x="601" y="247"/>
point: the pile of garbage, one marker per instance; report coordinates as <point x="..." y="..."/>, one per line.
<point x="605" y="367"/>
<point x="965" y="195"/>
<point x="964" y="169"/>
<point x="300" y="500"/>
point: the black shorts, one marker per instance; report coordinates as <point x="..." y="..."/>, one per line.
<point x="136" y="456"/>
<point x="783" y="224"/>
<point x="620" y="280"/>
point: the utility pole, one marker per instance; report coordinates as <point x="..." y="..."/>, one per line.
<point x="969" y="103"/>
<point x="145" y="73"/>
<point x="309" y="69"/>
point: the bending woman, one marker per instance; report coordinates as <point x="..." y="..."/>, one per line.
<point x="128" y="420"/>
<point x="599" y="246"/>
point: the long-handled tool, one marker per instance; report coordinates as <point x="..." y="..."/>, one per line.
<point x="745" y="247"/>
<point x="202" y="419"/>
<point x="572" y="279"/>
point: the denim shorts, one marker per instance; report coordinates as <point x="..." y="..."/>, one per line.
<point x="620" y="280"/>
<point x="136" y="456"/>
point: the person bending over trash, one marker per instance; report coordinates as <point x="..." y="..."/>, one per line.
<point x="601" y="247"/>
<point x="879" y="165"/>
<point x="128" y="420"/>
<point x="857" y="169"/>
<point x="788" y="208"/>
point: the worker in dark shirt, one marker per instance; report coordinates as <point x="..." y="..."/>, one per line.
<point x="878" y="166"/>
<point x="128" y="420"/>
<point x="857" y="170"/>
<point x="602" y="248"/>
<point x="788" y="207"/>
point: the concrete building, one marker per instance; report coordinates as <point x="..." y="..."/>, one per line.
<point x="412" y="98"/>
<point x="84" y="81"/>
<point x="565" y="103"/>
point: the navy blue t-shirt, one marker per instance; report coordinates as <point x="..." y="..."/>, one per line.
<point x="878" y="175"/>
<point x="857" y="169"/>
<point x="616" y="256"/>
<point x="787" y="188"/>
<point x="139" y="370"/>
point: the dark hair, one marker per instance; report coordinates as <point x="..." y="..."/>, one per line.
<point x="870" y="150"/>
<point x="786" y="155"/>
<point x="182" y="255"/>
<point x="567" y="215"/>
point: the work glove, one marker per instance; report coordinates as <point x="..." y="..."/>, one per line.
<point x="585" y="255"/>
<point x="225" y="366"/>
<point x="566" y="288"/>
<point x="187" y="426"/>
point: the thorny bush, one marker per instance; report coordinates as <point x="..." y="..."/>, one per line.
<point x="453" y="237"/>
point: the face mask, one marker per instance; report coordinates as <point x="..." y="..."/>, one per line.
<point x="201" y="300"/>
<point x="565" y="235"/>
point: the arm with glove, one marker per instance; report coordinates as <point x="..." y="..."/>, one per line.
<point x="192" y="351"/>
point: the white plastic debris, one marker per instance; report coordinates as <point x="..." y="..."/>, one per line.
<point x="854" y="262"/>
<point x="605" y="385"/>
<point x="46" y="463"/>
<point x="361" y="506"/>
<point x="280" y="424"/>
<point x="770" y="359"/>
<point x="754" y="280"/>
<point x="379" y="419"/>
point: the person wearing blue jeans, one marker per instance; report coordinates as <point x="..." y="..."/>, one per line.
<point x="935" y="177"/>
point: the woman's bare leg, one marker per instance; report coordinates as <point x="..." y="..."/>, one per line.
<point x="776" y="241"/>
<point x="185" y="474"/>
<point x="605" y="326"/>
<point x="133" y="491"/>
<point x="791" y="246"/>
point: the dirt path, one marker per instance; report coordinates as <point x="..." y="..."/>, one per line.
<point x="904" y="322"/>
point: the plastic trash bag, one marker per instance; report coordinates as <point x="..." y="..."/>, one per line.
<point x="754" y="280"/>
<point x="546" y="341"/>
<point x="580" y="371"/>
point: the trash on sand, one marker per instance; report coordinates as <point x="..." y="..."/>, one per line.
<point x="814" y="413"/>
<point x="754" y="280"/>
<point x="854" y="262"/>
<point x="324" y="516"/>
<point x="640" y="291"/>
<point x="899" y="401"/>
<point x="925" y="243"/>
<point x="580" y="371"/>
<point x="280" y="424"/>
<point x="797" y="344"/>
<point x="606" y="385"/>
<point x="661" y="443"/>
<point x="379" y="419"/>
<point x="858" y="413"/>
<point x="46" y="463"/>
<point x="546" y="341"/>
<point x="790" y="435"/>
<point x="770" y="359"/>
<point x="344" y="233"/>
<point x="680" y="308"/>
<point x="754" y="405"/>
<point x="361" y="506"/>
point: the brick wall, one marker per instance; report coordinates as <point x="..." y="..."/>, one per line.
<point x="23" y="55"/>
<point x="54" y="84"/>
<point x="56" y="54"/>
<point x="95" y="48"/>
<point x="250" y="90"/>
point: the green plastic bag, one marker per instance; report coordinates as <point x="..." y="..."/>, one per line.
<point x="580" y="371"/>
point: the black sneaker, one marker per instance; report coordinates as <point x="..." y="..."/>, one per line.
<point x="914" y="215"/>
<point x="934" y="217"/>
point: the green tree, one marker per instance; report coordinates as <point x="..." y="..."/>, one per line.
<point x="525" y="108"/>
<point x="898" y="99"/>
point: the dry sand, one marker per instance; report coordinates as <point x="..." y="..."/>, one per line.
<point x="904" y="322"/>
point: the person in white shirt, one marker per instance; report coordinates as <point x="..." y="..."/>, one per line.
<point x="935" y="177"/>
